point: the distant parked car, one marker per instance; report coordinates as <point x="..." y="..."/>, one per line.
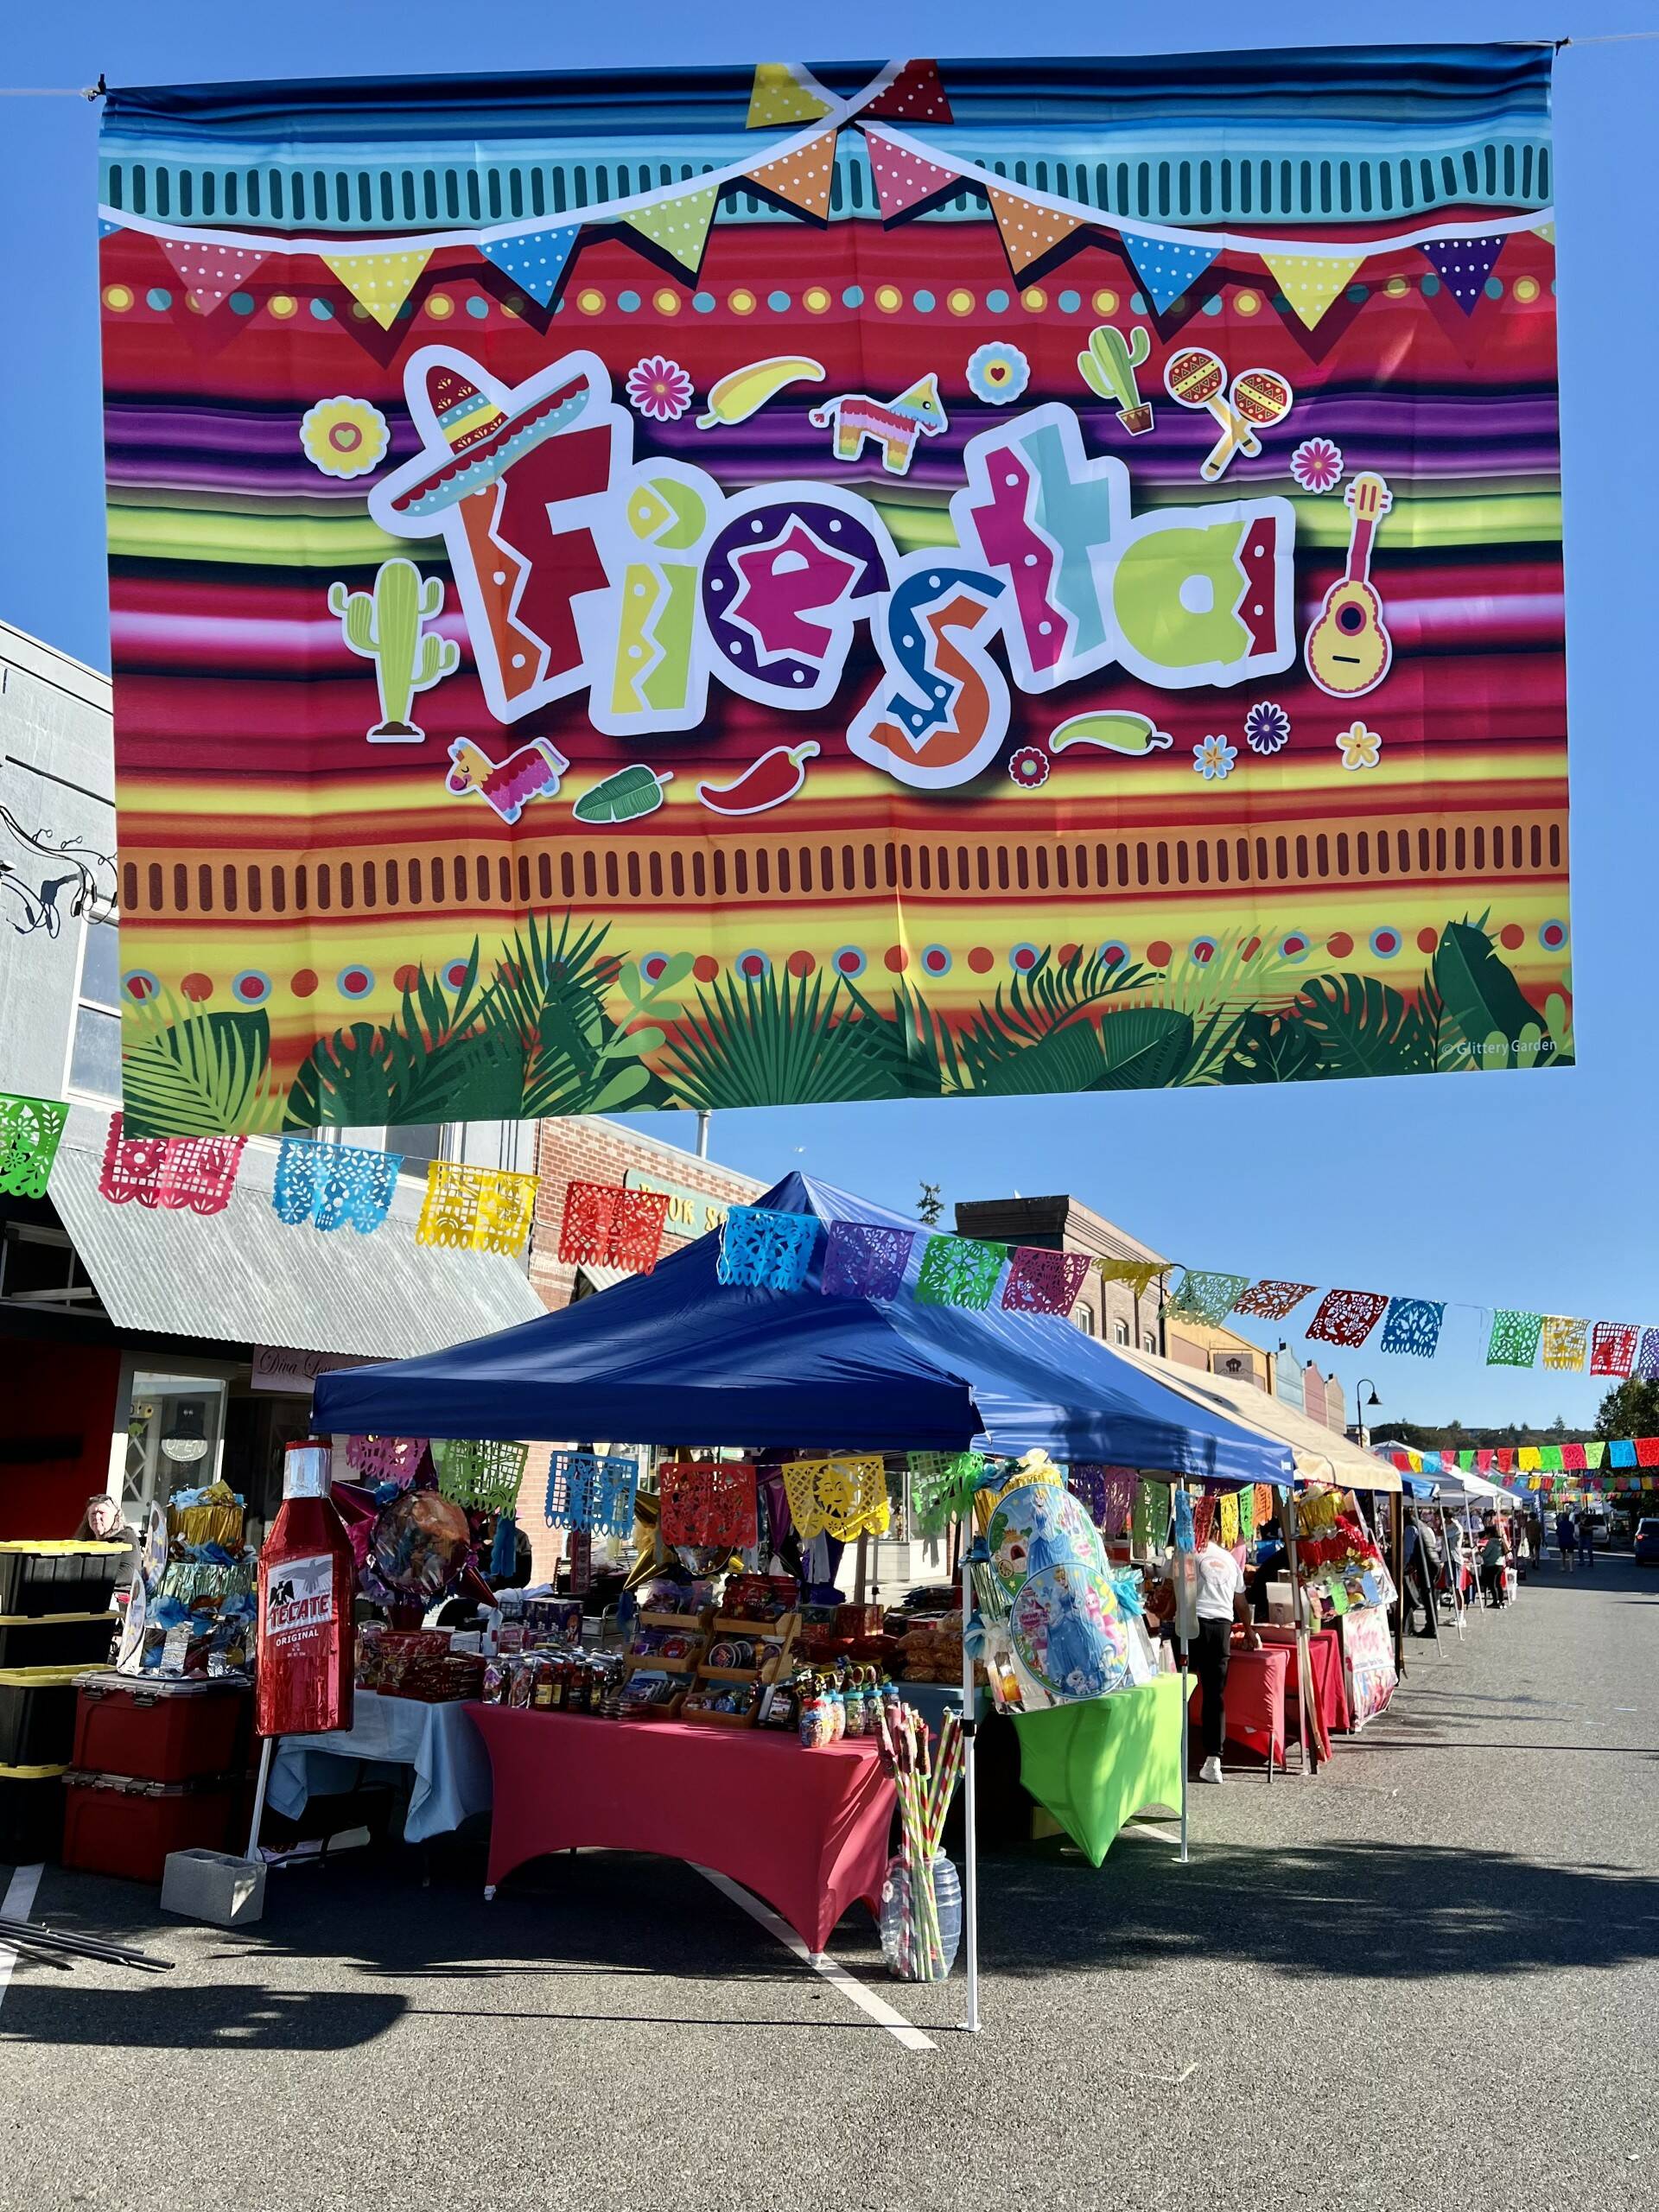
<point x="1647" y="1541"/>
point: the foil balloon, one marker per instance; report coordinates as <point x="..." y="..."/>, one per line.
<point x="1071" y="1638"/>
<point x="420" y="1545"/>
<point x="1036" y="1526"/>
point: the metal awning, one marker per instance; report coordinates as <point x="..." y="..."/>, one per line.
<point x="243" y="1276"/>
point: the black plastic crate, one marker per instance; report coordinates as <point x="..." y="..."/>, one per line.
<point x="31" y="1814"/>
<point x="56" y="1640"/>
<point x="38" y="1578"/>
<point x="37" y="1716"/>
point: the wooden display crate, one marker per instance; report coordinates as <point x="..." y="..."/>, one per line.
<point x="778" y="1636"/>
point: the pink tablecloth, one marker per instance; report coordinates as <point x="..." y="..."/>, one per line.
<point x="1324" y="1655"/>
<point x="1255" y="1700"/>
<point x="808" y="1831"/>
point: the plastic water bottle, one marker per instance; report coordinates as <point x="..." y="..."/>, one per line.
<point x="903" y="1945"/>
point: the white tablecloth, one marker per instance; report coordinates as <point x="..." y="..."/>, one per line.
<point x="452" y="1769"/>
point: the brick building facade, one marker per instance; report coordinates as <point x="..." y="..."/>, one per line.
<point x="1107" y="1310"/>
<point x="594" y="1150"/>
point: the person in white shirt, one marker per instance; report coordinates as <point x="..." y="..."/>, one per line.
<point x="1221" y="1602"/>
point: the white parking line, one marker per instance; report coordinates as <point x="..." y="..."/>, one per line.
<point x="837" y="1976"/>
<point x="16" y="1904"/>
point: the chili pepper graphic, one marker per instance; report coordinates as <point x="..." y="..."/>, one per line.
<point x="776" y="776"/>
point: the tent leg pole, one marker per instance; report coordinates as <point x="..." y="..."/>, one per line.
<point x="1299" y="1622"/>
<point x="1397" y="1543"/>
<point x="1187" y="1742"/>
<point x="259" y="1796"/>
<point x="970" y="1797"/>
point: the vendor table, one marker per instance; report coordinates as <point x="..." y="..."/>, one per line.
<point x="1325" y="1657"/>
<point x="1094" y="1764"/>
<point x="1255" y="1700"/>
<point x="808" y="1831"/>
<point x="452" y="1774"/>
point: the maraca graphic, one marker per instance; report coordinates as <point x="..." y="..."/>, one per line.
<point x="1196" y="378"/>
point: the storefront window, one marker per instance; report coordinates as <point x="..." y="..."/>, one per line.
<point x="95" y="1062"/>
<point x="173" y="1438"/>
<point x="420" y="1142"/>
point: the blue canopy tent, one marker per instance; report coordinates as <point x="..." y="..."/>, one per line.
<point x="677" y="1357"/>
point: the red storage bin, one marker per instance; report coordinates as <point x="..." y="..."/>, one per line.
<point x="158" y="1731"/>
<point x="113" y="1825"/>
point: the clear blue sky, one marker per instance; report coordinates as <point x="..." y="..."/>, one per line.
<point x="1535" y="1190"/>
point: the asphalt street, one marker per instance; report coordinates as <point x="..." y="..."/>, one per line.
<point x="1429" y="1978"/>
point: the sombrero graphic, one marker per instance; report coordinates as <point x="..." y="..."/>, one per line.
<point x="472" y="428"/>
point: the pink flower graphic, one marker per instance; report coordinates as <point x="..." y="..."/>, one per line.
<point x="659" y="388"/>
<point x="1316" y="465"/>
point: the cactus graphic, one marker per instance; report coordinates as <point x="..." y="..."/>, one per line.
<point x="1108" y="368"/>
<point x="384" y="626"/>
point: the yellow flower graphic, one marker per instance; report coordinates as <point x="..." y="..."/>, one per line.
<point x="344" y="437"/>
<point x="1360" y="748"/>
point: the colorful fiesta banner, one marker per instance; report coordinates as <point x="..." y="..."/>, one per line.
<point x="1568" y="1468"/>
<point x="746" y="587"/>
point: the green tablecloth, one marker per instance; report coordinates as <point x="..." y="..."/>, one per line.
<point x="1092" y="1766"/>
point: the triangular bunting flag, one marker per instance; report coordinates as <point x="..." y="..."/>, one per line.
<point x="379" y="282"/>
<point x="1545" y="231"/>
<point x="105" y="226"/>
<point x="210" y="273"/>
<point x="1029" y="231"/>
<point x="679" y="226"/>
<point x="916" y="95"/>
<point x="1463" y="266"/>
<point x="1311" y="281"/>
<point x="803" y="178"/>
<point x="783" y="92"/>
<point x="903" y="180"/>
<point x="535" y="259"/>
<point x="1166" y="266"/>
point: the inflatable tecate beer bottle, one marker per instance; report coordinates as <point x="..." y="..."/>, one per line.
<point x="307" y="1576"/>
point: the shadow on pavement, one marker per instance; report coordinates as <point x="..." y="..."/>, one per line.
<point x="1351" y="1912"/>
<point x="226" y="2019"/>
<point x="599" y="1916"/>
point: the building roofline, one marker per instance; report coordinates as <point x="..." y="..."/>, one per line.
<point x="49" y="664"/>
<point x="671" y="1151"/>
<point x="1067" y="1216"/>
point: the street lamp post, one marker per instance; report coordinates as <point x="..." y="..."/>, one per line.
<point x="1360" y="1406"/>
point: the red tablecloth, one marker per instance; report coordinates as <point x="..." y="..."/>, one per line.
<point x="1255" y="1699"/>
<point x="1325" y="1655"/>
<point x="808" y="1831"/>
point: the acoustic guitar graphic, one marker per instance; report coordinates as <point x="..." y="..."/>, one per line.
<point x="1348" y="649"/>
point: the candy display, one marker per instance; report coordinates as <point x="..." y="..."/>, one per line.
<point x="931" y="1649"/>
<point x="430" y="1666"/>
<point x="744" y="1657"/>
<point x="711" y="1699"/>
<point x="662" y="1661"/>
